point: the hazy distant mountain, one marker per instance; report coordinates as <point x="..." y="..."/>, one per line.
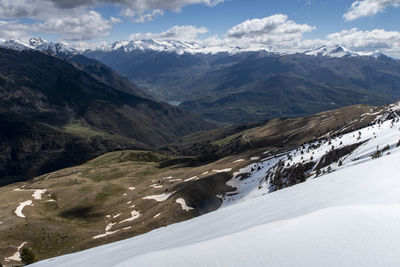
<point x="254" y="86"/>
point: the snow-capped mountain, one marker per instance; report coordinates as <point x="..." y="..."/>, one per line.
<point x="331" y="51"/>
<point x="177" y="46"/>
<point x="57" y="49"/>
<point x="14" y="45"/>
<point x="345" y="215"/>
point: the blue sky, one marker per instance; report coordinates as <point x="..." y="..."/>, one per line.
<point x="364" y="23"/>
<point x="326" y="16"/>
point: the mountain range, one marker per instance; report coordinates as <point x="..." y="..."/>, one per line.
<point x="82" y="107"/>
<point x="231" y="87"/>
<point x="254" y="86"/>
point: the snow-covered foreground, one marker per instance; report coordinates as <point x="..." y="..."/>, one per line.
<point x="346" y="218"/>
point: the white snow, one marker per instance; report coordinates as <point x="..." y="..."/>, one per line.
<point x="346" y="218"/>
<point x="167" y="178"/>
<point x="108" y="232"/>
<point x="1" y="222"/>
<point x="238" y="160"/>
<point x="134" y="215"/>
<point x="21" y="206"/>
<point x="116" y="216"/>
<point x="223" y="170"/>
<point x="14" y="45"/>
<point x="374" y="137"/>
<point x="205" y="173"/>
<point x="191" y="178"/>
<point x="331" y="51"/>
<point x="180" y="47"/>
<point x="132" y="188"/>
<point x="254" y="158"/>
<point x="105" y="234"/>
<point x="161" y="197"/>
<point x="17" y="255"/>
<point x="156" y="186"/>
<point x="157" y="215"/>
<point x="349" y="217"/>
<point x="182" y="202"/>
<point x="37" y="195"/>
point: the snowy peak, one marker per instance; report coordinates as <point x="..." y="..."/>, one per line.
<point x="57" y="49"/>
<point x="331" y="51"/>
<point x="177" y="46"/>
<point x="36" y="41"/>
<point x="14" y="45"/>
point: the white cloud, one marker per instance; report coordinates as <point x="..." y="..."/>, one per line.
<point x="364" y="8"/>
<point x="368" y="41"/>
<point x="84" y="26"/>
<point x="275" y="30"/>
<point x="149" y="16"/>
<point x="44" y="8"/>
<point x="12" y="30"/>
<point x="76" y="19"/>
<point x="186" y="33"/>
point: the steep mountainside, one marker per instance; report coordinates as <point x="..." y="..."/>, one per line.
<point x="50" y="91"/>
<point x="254" y="86"/>
<point x="127" y="193"/>
<point x="97" y="69"/>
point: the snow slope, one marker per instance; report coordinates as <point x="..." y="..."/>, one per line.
<point x="384" y="134"/>
<point x="331" y="51"/>
<point x="345" y="218"/>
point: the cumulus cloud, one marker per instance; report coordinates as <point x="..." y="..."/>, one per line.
<point x="82" y="26"/>
<point x="44" y="8"/>
<point x="275" y="30"/>
<point x="86" y="26"/>
<point x="364" y="8"/>
<point x="143" y="17"/>
<point x="12" y="30"/>
<point x="76" y="19"/>
<point x="374" y="40"/>
<point x="186" y="33"/>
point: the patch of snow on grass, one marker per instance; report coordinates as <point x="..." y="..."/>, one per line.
<point x="37" y="195"/>
<point x="116" y="216"/>
<point x="182" y="202"/>
<point x="191" y="178"/>
<point x="134" y="215"/>
<point x="108" y="232"/>
<point x="105" y="234"/>
<point x="156" y="186"/>
<point x="132" y="188"/>
<point x="205" y="173"/>
<point x="157" y="215"/>
<point x="223" y="170"/>
<point x="21" y="206"/>
<point x="238" y="160"/>
<point x="17" y="255"/>
<point x="161" y="197"/>
<point x="254" y="158"/>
